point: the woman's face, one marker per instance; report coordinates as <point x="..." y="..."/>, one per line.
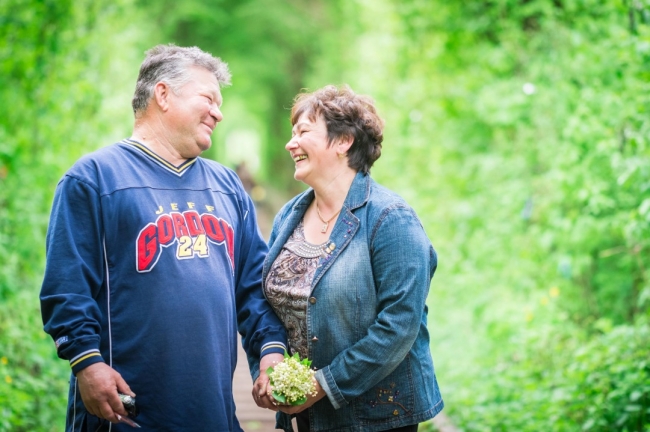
<point x="309" y="150"/>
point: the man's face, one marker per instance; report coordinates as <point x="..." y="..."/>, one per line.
<point x="194" y="112"/>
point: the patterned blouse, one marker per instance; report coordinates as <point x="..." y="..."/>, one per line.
<point x="288" y="286"/>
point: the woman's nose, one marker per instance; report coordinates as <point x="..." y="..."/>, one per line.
<point x="292" y="144"/>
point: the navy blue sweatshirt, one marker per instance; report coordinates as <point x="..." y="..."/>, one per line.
<point x="153" y="268"/>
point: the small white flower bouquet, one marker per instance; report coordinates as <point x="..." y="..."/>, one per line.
<point x="292" y="380"/>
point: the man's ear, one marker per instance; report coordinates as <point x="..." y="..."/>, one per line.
<point x="344" y="143"/>
<point x="161" y="94"/>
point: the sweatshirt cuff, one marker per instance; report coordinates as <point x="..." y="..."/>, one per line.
<point x="85" y="359"/>
<point x="272" y="348"/>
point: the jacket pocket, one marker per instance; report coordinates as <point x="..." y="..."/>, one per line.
<point x="389" y="399"/>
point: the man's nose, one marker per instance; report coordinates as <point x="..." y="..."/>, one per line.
<point x="216" y="113"/>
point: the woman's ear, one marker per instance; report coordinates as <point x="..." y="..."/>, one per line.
<point x="343" y="144"/>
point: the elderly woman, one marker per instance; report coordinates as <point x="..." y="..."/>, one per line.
<point x="348" y="273"/>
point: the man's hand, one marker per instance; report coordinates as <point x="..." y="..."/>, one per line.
<point x="290" y="409"/>
<point x="262" y="388"/>
<point x="99" y="385"/>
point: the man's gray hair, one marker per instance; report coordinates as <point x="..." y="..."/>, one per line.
<point x="171" y="64"/>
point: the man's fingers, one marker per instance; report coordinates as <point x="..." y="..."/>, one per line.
<point x="261" y="387"/>
<point x="91" y="405"/>
<point x="90" y="410"/>
<point x="262" y="398"/>
<point x="257" y="397"/>
<point x="106" y="411"/>
<point x="122" y="386"/>
<point x="99" y="385"/>
<point x="268" y="403"/>
<point x="116" y="405"/>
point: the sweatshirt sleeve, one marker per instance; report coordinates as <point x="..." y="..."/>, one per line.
<point x="262" y="331"/>
<point x="74" y="273"/>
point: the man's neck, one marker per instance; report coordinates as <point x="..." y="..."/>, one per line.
<point x="148" y="135"/>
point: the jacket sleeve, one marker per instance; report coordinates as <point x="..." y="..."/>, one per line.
<point x="261" y="330"/>
<point x="403" y="266"/>
<point x="74" y="273"/>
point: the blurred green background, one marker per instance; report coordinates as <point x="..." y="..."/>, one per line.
<point x="518" y="130"/>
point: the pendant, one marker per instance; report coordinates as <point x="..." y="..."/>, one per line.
<point x="324" y="229"/>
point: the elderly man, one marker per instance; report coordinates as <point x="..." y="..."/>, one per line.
<point x="154" y="262"/>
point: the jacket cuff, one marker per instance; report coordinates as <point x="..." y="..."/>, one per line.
<point x="85" y="359"/>
<point x="326" y="381"/>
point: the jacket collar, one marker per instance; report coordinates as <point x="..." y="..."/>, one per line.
<point x="357" y="196"/>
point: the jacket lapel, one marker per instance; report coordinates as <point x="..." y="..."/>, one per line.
<point x="344" y="230"/>
<point x="346" y="225"/>
<point x="293" y="217"/>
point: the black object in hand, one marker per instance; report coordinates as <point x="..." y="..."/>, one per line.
<point x="129" y="405"/>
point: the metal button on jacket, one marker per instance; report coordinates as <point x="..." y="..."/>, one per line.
<point x="312" y="300"/>
<point x="314" y="339"/>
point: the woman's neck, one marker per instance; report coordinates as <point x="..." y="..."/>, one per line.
<point x="331" y="194"/>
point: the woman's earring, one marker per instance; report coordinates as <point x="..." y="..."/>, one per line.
<point x="342" y="155"/>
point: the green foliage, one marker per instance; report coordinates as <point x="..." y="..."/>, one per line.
<point x="562" y="380"/>
<point x="292" y="380"/>
<point x="530" y="139"/>
<point x="33" y="386"/>
<point x="531" y="129"/>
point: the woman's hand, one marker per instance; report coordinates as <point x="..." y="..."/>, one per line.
<point x="294" y="409"/>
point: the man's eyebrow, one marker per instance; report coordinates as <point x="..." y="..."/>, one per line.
<point x="217" y="97"/>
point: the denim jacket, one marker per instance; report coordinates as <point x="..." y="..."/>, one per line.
<point x="367" y="313"/>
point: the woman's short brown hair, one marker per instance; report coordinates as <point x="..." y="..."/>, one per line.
<point x="346" y="114"/>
